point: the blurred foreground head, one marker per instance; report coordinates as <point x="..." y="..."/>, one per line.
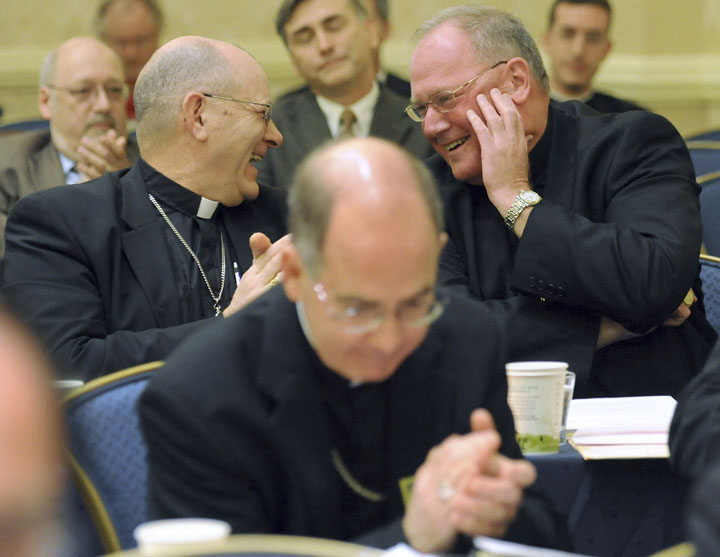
<point x="30" y="454"/>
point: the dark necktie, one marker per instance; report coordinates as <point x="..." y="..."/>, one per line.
<point x="347" y="119"/>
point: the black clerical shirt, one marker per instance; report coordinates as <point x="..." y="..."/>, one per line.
<point x="203" y="236"/>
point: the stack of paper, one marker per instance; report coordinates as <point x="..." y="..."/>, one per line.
<point x="630" y="427"/>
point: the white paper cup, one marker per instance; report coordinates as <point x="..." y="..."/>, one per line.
<point x="568" y="390"/>
<point x="169" y="537"/>
<point x="535" y="397"/>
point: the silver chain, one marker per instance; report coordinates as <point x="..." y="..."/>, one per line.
<point x="216" y="299"/>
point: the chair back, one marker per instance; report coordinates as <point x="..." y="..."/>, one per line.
<point x="107" y="452"/>
<point x="710" y="276"/>
<point x="26" y="126"/>
<point x="705" y="155"/>
<point x="710" y="215"/>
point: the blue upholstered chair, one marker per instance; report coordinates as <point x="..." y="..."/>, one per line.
<point x="705" y="155"/>
<point x="710" y="276"/>
<point x="710" y="215"/>
<point x="107" y="452"/>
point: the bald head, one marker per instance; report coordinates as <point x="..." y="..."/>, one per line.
<point x="30" y="456"/>
<point x="69" y="57"/>
<point x="368" y="173"/>
<point x="182" y="65"/>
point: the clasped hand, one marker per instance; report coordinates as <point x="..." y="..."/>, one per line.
<point x="97" y="155"/>
<point x="465" y="486"/>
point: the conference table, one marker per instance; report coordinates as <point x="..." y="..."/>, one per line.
<point x="615" y="508"/>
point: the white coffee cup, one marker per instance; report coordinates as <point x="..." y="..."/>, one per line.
<point x="169" y="537"/>
<point x="535" y="397"/>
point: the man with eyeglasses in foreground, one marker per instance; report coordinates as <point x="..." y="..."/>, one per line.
<point x="117" y="271"/>
<point x="319" y="410"/>
<point x="82" y="94"/>
<point x="585" y="227"/>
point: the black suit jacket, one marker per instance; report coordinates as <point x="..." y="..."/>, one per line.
<point x="236" y="428"/>
<point x="304" y="127"/>
<point x="617" y="234"/>
<point x="87" y="266"/>
<point x="695" y="429"/>
<point x="28" y="163"/>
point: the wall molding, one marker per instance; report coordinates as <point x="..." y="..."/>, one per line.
<point x="657" y="81"/>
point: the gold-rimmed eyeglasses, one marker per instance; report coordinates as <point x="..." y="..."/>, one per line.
<point x="89" y="92"/>
<point x="358" y="318"/>
<point x="444" y="101"/>
<point x="268" y="107"/>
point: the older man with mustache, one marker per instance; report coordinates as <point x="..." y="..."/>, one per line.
<point x="82" y="93"/>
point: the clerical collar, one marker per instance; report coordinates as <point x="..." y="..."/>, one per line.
<point x="363" y="110"/>
<point x="539" y="156"/>
<point x="174" y="195"/>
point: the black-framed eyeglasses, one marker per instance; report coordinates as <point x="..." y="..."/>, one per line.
<point x="444" y="101"/>
<point x="358" y="319"/>
<point x="268" y="107"/>
<point x="90" y="92"/>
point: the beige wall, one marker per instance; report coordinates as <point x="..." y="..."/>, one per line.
<point x="666" y="54"/>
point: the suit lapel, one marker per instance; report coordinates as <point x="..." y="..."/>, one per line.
<point x="144" y="246"/>
<point x="389" y="120"/>
<point x="561" y="160"/>
<point x="311" y="125"/>
<point x="45" y="168"/>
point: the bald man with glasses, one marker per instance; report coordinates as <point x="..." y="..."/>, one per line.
<point x="582" y="229"/>
<point x="329" y="408"/>
<point x="117" y="271"/>
<point x="82" y="94"/>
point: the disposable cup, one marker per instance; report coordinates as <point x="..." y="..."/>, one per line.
<point x="568" y="389"/>
<point x="535" y="397"/>
<point x="169" y="537"/>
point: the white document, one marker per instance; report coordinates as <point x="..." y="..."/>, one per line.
<point x="621" y="428"/>
<point x="491" y="547"/>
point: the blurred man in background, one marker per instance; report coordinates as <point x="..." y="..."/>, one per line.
<point x="82" y="93"/>
<point x="132" y="29"/>
<point x="577" y="42"/>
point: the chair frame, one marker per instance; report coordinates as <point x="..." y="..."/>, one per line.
<point x="93" y="500"/>
<point x="704" y="144"/>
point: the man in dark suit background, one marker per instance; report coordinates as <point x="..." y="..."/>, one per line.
<point x="328" y="408"/>
<point x="82" y="94"/>
<point x="332" y="45"/>
<point x="577" y="41"/>
<point x="378" y="13"/>
<point x="117" y="271"/>
<point x="591" y="239"/>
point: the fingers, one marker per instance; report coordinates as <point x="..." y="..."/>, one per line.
<point x="259" y="244"/>
<point x="97" y="155"/>
<point x="481" y="420"/>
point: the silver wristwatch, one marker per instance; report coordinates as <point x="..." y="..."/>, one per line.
<point x="525" y="198"/>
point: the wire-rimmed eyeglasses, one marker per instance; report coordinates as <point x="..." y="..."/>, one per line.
<point x="268" y="107"/>
<point x="89" y="92"/>
<point x="360" y="318"/>
<point x="444" y="101"/>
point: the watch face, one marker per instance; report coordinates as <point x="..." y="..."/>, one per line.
<point x="530" y="196"/>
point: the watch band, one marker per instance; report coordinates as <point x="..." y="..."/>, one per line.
<point x="525" y="198"/>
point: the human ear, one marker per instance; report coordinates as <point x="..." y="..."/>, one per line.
<point x="194" y="111"/>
